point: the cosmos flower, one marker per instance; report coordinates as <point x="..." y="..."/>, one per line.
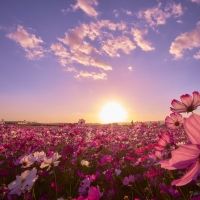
<point x="27" y="161"/>
<point x="162" y="142"/>
<point x="39" y="156"/>
<point x="23" y="182"/>
<point x="187" y="155"/>
<point x="94" y="193"/>
<point x="85" y="163"/>
<point x="50" y="162"/>
<point x="129" y="179"/>
<point x="188" y="103"/>
<point x="174" y="121"/>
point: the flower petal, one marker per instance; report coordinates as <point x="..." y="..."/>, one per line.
<point x="192" y="174"/>
<point x="184" y="156"/>
<point x="186" y="99"/>
<point x="178" y="106"/>
<point x="196" y="99"/>
<point x="192" y="128"/>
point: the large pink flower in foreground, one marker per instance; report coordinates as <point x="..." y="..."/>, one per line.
<point x="187" y="155"/>
<point x="174" y="121"/>
<point x="188" y="103"/>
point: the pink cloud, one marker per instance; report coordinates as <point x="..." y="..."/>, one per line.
<point x="87" y="6"/>
<point x="157" y="16"/>
<point x="94" y="75"/>
<point x="141" y="42"/>
<point x="188" y="40"/>
<point x="177" y="9"/>
<point x="111" y="46"/>
<point x="98" y="63"/>
<point x="29" y="42"/>
<point x="197" y="55"/>
<point x="61" y="52"/>
<point x="196" y="1"/>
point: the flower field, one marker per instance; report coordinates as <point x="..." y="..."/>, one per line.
<point x="77" y="161"/>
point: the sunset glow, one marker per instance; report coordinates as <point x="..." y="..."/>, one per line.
<point x="112" y="112"/>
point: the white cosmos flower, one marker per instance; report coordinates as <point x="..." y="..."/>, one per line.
<point x="39" y="156"/>
<point x="23" y="182"/>
<point x="50" y="162"/>
<point x="27" y="161"/>
<point x="85" y="163"/>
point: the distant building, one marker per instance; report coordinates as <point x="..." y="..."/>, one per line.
<point x="22" y="122"/>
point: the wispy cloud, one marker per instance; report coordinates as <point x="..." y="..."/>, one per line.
<point x="130" y="68"/>
<point x="158" y="16"/>
<point x="116" y="13"/>
<point x="71" y="69"/>
<point x="128" y="12"/>
<point x="197" y="55"/>
<point x="111" y="46"/>
<point x="188" y="40"/>
<point x="29" y="42"/>
<point x="87" y="6"/>
<point x="176" y="9"/>
<point x="94" y="75"/>
<point x="61" y="52"/>
<point x="98" y="63"/>
<point x="65" y="11"/>
<point x="141" y="42"/>
<point x="196" y="1"/>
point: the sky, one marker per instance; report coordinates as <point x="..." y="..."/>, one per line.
<point x="64" y="60"/>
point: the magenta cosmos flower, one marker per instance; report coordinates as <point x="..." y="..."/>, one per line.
<point x="187" y="155"/>
<point x="174" y="121"/>
<point x="188" y="103"/>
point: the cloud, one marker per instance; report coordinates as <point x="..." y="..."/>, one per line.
<point x="141" y="42"/>
<point x="111" y="46"/>
<point x="116" y="13"/>
<point x="85" y="48"/>
<point x="65" y="11"/>
<point x="128" y="12"/>
<point x="74" y="37"/>
<point x="87" y="6"/>
<point x="71" y="69"/>
<point x="77" y="56"/>
<point x="197" y="55"/>
<point x="61" y="52"/>
<point x="179" y="21"/>
<point x="156" y="16"/>
<point x="188" y="40"/>
<point x="98" y="63"/>
<point x="94" y="75"/>
<point x="28" y="42"/>
<point x="130" y="68"/>
<point x="177" y="10"/>
<point x="196" y="1"/>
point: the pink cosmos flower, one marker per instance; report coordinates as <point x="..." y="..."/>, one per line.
<point x="105" y="159"/>
<point x="129" y="179"/>
<point x="162" y="142"/>
<point x="188" y="103"/>
<point x="94" y="193"/>
<point x="187" y="155"/>
<point x="174" y="121"/>
<point x="23" y="182"/>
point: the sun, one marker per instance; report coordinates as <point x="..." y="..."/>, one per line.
<point x="112" y="112"/>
